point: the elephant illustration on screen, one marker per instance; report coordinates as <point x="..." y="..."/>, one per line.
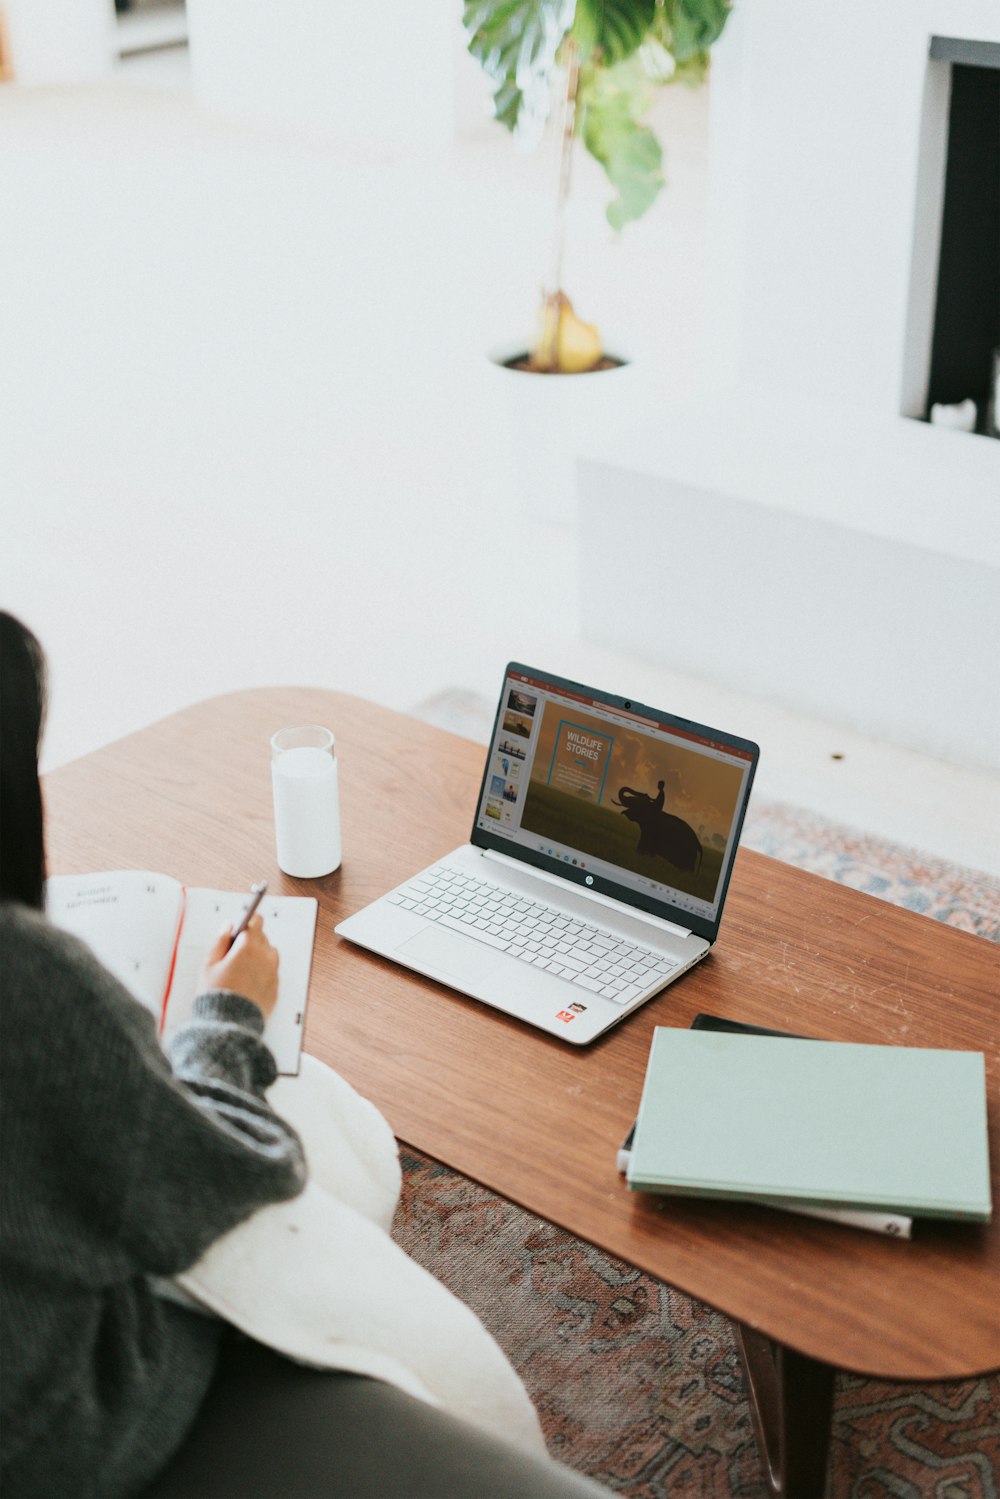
<point x="660" y="833"/>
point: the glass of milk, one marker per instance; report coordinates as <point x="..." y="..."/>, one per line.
<point x="306" y="801"/>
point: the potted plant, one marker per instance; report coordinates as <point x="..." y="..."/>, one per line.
<point x="604" y="61"/>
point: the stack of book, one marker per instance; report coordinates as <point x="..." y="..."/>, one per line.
<point x="870" y="1135"/>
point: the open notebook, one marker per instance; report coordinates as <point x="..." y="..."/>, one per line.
<point x="153" y="933"/>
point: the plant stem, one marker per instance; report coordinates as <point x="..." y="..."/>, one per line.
<point x="547" y="356"/>
<point x="565" y="164"/>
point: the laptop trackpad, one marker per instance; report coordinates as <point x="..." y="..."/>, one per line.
<point x="456" y="956"/>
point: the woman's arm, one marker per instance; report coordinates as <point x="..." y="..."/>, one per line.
<point x="155" y="1161"/>
<point x="214" y="1148"/>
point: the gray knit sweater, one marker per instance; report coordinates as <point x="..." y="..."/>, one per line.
<point x="118" y="1165"/>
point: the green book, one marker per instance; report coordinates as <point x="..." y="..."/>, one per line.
<point x="781" y="1120"/>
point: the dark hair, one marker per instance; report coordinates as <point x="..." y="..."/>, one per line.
<point x="22" y="714"/>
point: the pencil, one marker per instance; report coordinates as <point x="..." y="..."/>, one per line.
<point x="258" y="892"/>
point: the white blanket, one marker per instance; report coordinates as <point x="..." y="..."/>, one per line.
<point x="320" y="1280"/>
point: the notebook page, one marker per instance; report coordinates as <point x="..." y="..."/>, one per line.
<point x="128" y="918"/>
<point x="289" y="922"/>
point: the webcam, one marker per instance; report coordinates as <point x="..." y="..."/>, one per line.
<point x="627" y="703"/>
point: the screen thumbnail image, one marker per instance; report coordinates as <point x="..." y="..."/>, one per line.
<point x="517" y="723"/>
<point x="503" y="789"/>
<point x="632" y="799"/>
<point x="522" y="702"/>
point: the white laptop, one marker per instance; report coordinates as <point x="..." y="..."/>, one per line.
<point x="597" y="867"/>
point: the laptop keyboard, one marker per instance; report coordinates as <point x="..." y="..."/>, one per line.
<point x="565" y="946"/>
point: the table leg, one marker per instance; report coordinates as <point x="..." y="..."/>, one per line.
<point x="791" y="1400"/>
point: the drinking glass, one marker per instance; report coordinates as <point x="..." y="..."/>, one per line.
<point x="306" y="801"/>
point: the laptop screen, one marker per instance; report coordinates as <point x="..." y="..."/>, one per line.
<point x="630" y="801"/>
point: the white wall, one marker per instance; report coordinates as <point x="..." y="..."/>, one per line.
<point x="392" y="72"/>
<point x="816" y="113"/>
<point x="54" y="41"/>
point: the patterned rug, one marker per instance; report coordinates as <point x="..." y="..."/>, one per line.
<point x="639" y="1386"/>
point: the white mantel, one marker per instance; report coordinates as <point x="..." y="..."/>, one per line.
<point x="826" y="158"/>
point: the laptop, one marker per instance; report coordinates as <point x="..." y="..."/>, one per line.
<point x="596" y="871"/>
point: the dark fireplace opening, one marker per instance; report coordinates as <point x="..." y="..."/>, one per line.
<point x="966" y="323"/>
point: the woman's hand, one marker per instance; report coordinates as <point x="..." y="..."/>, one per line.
<point x="249" y="967"/>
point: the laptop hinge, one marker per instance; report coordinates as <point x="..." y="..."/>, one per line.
<point x="660" y="922"/>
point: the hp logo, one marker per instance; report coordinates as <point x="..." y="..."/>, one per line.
<point x="589" y="880"/>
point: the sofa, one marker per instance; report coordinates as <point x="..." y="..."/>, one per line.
<point x="272" y="1429"/>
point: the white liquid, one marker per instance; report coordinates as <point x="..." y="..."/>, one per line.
<point x="306" y="812"/>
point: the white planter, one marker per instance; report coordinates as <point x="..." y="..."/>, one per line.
<point x="550" y="419"/>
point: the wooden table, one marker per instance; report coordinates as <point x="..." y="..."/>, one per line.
<point x="538" y="1121"/>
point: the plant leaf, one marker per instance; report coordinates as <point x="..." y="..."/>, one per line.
<point x="691" y="26"/>
<point x="692" y="71"/>
<point x="516" y="42"/>
<point x="617" y="27"/>
<point x="615" y="101"/>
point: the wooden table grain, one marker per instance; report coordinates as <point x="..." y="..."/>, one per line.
<point x="539" y="1121"/>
